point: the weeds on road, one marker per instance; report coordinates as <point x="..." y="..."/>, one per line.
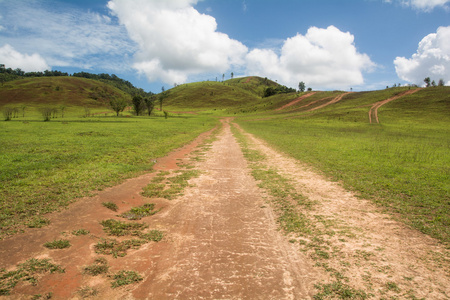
<point x="38" y="222"/>
<point x="118" y="228"/>
<point x="28" y="271"/>
<point x="125" y="277"/>
<point x="100" y="266"/>
<point x="169" y="187"/>
<point x="137" y="213"/>
<point x="110" y="205"/>
<point x="57" y="244"/>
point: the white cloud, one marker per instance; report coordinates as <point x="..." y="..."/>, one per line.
<point x="29" y="63"/>
<point x="325" y="58"/>
<point x="175" y="40"/>
<point x="432" y="59"/>
<point x="64" y="35"/>
<point x="425" y="5"/>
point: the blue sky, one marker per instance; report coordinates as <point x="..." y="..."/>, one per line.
<point x="328" y="44"/>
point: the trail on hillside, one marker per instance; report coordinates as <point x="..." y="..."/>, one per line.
<point x="373" y="112"/>
<point x="295" y="101"/>
<point x="332" y="101"/>
<point x="222" y="239"/>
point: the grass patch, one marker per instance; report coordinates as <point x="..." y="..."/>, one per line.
<point x="110" y="205"/>
<point x="38" y="222"/>
<point x="338" y="290"/>
<point x="100" y="266"/>
<point x="26" y="272"/>
<point x="116" y="248"/>
<point x="44" y="166"/>
<point x="125" y="277"/>
<point x="87" y="291"/>
<point x="402" y="164"/>
<point x="80" y="232"/>
<point x="118" y="228"/>
<point x="137" y="213"/>
<point x="57" y="244"/>
<point x="172" y="187"/>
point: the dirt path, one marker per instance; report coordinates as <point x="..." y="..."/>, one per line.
<point x="221" y="239"/>
<point x="373" y="112"/>
<point x="295" y="101"/>
<point x="355" y="243"/>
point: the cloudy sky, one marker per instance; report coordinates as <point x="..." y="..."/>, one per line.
<point x="328" y="44"/>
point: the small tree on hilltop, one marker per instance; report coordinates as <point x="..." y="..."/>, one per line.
<point x="441" y="82"/>
<point x="427" y="82"/>
<point x="301" y="86"/>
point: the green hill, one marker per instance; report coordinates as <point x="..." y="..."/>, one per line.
<point x="61" y="91"/>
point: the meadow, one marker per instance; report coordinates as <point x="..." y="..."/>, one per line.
<point x="44" y="166"/>
<point x="402" y="164"/>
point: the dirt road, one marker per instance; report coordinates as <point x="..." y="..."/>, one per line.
<point x="222" y="241"/>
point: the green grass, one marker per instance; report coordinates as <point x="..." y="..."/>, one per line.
<point x="125" y="277"/>
<point x="57" y="244"/>
<point x="402" y="164"/>
<point x="118" y="228"/>
<point x="79" y="232"/>
<point x="137" y="213"/>
<point x="26" y="272"/>
<point x="44" y="166"/>
<point x="100" y="266"/>
<point x="171" y="187"/>
<point x="110" y="205"/>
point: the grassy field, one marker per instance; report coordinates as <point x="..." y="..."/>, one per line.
<point x="402" y="164"/>
<point x="44" y="166"/>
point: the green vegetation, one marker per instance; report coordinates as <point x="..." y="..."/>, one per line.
<point x="401" y="164"/>
<point x="137" y="213"/>
<point x="125" y="277"/>
<point x="26" y="272"/>
<point x="110" y="205"/>
<point x="80" y="232"/>
<point x="118" y="228"/>
<point x="100" y="266"/>
<point x="57" y="244"/>
<point x="46" y="166"/>
<point x="171" y="187"/>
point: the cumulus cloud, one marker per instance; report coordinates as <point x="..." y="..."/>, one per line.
<point x="175" y="40"/>
<point x="432" y="59"/>
<point x="325" y="58"/>
<point x="425" y="5"/>
<point x="64" y="35"/>
<point x="29" y="63"/>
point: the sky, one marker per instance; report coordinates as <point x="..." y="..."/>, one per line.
<point x="328" y="44"/>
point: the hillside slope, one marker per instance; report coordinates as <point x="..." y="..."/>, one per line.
<point x="65" y="90"/>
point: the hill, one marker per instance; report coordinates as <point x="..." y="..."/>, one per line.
<point x="63" y="90"/>
<point x="233" y="93"/>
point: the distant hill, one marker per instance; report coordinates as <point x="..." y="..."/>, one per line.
<point x="61" y="90"/>
<point x="219" y="95"/>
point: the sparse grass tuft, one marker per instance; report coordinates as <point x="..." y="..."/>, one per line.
<point x="118" y="228"/>
<point x="80" y="232"/>
<point x="338" y="290"/>
<point x="26" y="272"/>
<point x="100" y="266"/>
<point x="125" y="277"/>
<point x="176" y="185"/>
<point x="110" y="205"/>
<point x="38" y="222"/>
<point x="137" y="213"/>
<point x="87" y="291"/>
<point x="57" y="244"/>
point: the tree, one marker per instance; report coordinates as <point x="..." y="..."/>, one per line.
<point x="427" y="82"/>
<point x="138" y="105"/>
<point x="301" y="86"/>
<point x="162" y="96"/>
<point x="433" y="83"/>
<point x="118" y="105"/>
<point x="232" y="75"/>
<point x="150" y="103"/>
<point x="441" y="82"/>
